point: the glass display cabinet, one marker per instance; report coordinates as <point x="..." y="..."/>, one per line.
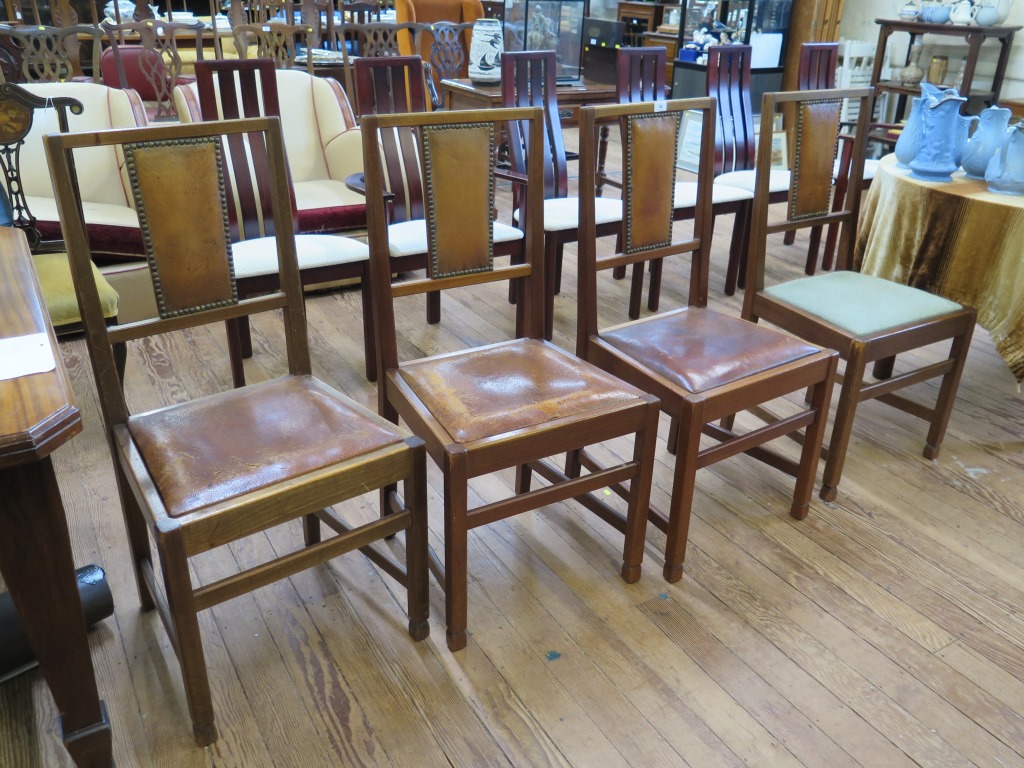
<point x="762" y="24"/>
<point x="541" y="25"/>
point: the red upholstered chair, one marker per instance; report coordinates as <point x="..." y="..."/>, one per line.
<point x="234" y="88"/>
<point x="703" y="365"/>
<point x="212" y="470"/>
<point x="869" y="320"/>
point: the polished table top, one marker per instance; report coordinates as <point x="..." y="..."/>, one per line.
<point x="955" y="239"/>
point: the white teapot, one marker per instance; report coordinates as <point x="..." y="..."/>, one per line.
<point x="962" y="12"/>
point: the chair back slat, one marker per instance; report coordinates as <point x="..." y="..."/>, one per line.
<point x="640" y="74"/>
<point x="818" y="63"/>
<point x="729" y="82"/>
<point x="528" y="80"/>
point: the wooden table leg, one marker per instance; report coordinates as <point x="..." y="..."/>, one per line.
<point x="36" y="563"/>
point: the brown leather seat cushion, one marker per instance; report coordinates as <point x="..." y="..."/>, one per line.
<point x="523" y="383"/>
<point x="699" y="349"/>
<point x="218" y="447"/>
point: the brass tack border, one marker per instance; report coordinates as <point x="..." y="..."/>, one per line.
<point x="629" y="189"/>
<point x="795" y="181"/>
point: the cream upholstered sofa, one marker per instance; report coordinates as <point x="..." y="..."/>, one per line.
<point x="111" y="222"/>
<point x="323" y="146"/>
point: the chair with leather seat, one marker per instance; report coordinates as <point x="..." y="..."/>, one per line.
<point x="869" y="320"/>
<point x="703" y="365"/>
<point x="528" y="79"/>
<point x="235" y="88"/>
<point x="395" y="84"/>
<point x="509" y="404"/>
<point x="203" y="473"/>
<point x="50" y="260"/>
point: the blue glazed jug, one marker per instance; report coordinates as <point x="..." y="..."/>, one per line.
<point x="910" y="137"/>
<point x="986" y="141"/>
<point x="936" y="157"/>
<point x="1005" y="172"/>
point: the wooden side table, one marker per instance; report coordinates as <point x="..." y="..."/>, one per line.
<point x="37" y="415"/>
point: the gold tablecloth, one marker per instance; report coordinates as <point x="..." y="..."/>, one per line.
<point x="954" y="239"/>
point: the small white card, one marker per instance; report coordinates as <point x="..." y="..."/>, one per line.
<point x="25" y="355"/>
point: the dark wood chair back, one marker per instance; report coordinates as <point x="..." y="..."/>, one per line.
<point x="449" y="48"/>
<point x="52" y="54"/>
<point x="640" y="74"/>
<point x="818" y="62"/>
<point x="729" y="82"/>
<point x="528" y="80"/>
<point x="155" y="58"/>
<point x="277" y="41"/>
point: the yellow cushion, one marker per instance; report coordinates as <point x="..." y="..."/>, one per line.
<point x="59" y="289"/>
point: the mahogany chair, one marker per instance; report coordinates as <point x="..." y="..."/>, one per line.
<point x="230" y="89"/>
<point x="528" y="79"/>
<point x="53" y="54"/>
<point x="48" y="256"/>
<point x="703" y="365"/>
<point x="204" y="473"/>
<point x="641" y="77"/>
<point x="153" y="66"/>
<point x="277" y="41"/>
<point x="371" y="40"/>
<point x="867" y="319"/>
<point x="449" y="54"/>
<point x="506" y="404"/>
<point x="396" y="84"/>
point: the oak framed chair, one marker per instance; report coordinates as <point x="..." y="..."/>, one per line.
<point x="198" y="475"/>
<point x="703" y="365"/>
<point x="233" y="88"/>
<point x="528" y="79"/>
<point x="869" y="320"/>
<point x="509" y="404"/>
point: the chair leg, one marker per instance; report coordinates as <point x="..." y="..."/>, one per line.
<point x="846" y="410"/>
<point x="456" y="554"/>
<point x="882" y="369"/>
<point x="573" y="465"/>
<point x="736" y="245"/>
<point x="789" y="238"/>
<point x="618" y="272"/>
<point x="636" y="290"/>
<point x="644" y="446"/>
<point x="654" y="290"/>
<point x="550" y="247"/>
<point x="812" y="251"/>
<point x="138" y="537"/>
<point x="189" y="645"/>
<point x="673" y="435"/>
<point x="519" y="257"/>
<point x="684" y="484"/>
<point x="559" y="248"/>
<point x="947" y="393"/>
<point x="120" y="350"/>
<point x="434" y="307"/>
<point x="416" y="573"/>
<point x="819" y="401"/>
<point x="235" y="353"/>
<point x="245" y="337"/>
<point x="369" y="331"/>
<point x="310" y="529"/>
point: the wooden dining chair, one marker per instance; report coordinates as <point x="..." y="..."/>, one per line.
<point x="869" y="320"/>
<point x="449" y="54"/>
<point x="207" y="472"/>
<point x="395" y="84"/>
<point x="53" y="54"/>
<point x="230" y="89"/>
<point x="277" y="41"/>
<point x="509" y="404"/>
<point x="49" y="257"/>
<point x="528" y="79"/>
<point x="641" y="77"/>
<point x="153" y="66"/>
<point x="375" y="39"/>
<point x="703" y="365"/>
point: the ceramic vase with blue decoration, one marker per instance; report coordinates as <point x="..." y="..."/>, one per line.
<point x="936" y="157"/>
<point x="485" y="49"/>
<point x="1005" y="172"/>
<point x="909" y="140"/>
<point x="986" y="141"/>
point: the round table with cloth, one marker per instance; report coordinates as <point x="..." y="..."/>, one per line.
<point x="955" y="239"/>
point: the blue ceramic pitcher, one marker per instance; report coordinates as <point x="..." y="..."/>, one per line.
<point x="936" y="157"/>
<point x="1005" y="172"/>
<point x="910" y="137"/>
<point x="986" y="141"/>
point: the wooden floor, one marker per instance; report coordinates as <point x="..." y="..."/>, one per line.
<point x="884" y="630"/>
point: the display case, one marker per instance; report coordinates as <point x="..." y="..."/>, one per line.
<point x="542" y="25"/>
<point x="762" y="24"/>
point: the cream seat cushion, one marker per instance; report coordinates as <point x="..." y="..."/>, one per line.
<point x="778" y="181"/>
<point x="409" y="238"/>
<point x="870" y="169"/>
<point x="562" y="213"/>
<point x="324" y="193"/>
<point x="685" y="195"/>
<point x="863" y="305"/>
<point x="258" y="256"/>
<point x="103" y="214"/>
